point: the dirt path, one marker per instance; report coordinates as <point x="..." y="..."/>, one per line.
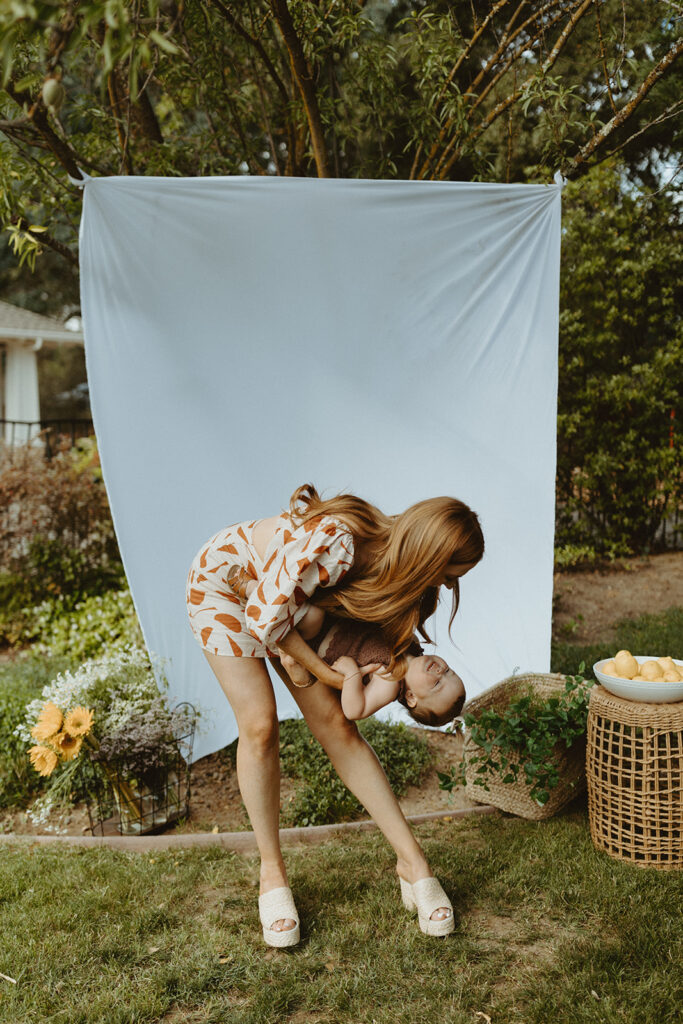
<point x="586" y="605"/>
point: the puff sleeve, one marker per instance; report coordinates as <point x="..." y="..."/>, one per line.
<point x="317" y="554"/>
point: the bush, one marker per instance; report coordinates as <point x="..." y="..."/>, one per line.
<point x="56" y="533"/>
<point x="100" y="624"/>
<point x="619" y="454"/>
<point x="322" y="797"/>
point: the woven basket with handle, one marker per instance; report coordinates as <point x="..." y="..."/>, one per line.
<point x="514" y="796"/>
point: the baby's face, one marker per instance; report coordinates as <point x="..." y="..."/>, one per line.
<point x="435" y="685"/>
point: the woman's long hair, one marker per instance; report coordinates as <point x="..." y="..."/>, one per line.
<point x="408" y="553"/>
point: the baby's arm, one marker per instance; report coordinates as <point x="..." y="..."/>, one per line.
<point x="359" y="701"/>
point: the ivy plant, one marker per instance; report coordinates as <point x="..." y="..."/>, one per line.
<point x="525" y="736"/>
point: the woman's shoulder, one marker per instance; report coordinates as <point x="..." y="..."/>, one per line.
<point x="325" y="525"/>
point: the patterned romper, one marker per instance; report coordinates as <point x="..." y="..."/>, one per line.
<point x="296" y="562"/>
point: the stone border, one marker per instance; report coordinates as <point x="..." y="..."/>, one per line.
<point x="239" y="842"/>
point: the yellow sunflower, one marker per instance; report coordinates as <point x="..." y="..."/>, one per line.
<point x="43" y="760"/>
<point x="78" y="721"/>
<point x="49" y="722"/>
<point x="68" y="746"/>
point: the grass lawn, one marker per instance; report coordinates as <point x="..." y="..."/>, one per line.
<point x="548" y="930"/>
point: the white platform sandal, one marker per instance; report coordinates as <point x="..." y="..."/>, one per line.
<point x="425" y="896"/>
<point x="278" y="905"/>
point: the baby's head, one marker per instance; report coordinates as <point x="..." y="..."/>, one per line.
<point x="433" y="693"/>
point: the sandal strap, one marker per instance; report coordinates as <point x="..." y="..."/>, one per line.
<point x="429" y="896"/>
<point x="277" y="905"/>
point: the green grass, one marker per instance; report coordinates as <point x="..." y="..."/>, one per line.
<point x="548" y="929"/>
<point x="543" y="922"/>
<point x="657" y="634"/>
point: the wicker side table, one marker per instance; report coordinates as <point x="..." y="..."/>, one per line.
<point x="634" y="771"/>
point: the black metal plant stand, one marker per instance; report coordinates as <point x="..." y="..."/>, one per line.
<point x="136" y="802"/>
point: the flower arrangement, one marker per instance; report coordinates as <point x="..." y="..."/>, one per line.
<point x="105" y="721"/>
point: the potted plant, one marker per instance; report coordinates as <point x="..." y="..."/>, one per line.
<point x="105" y="733"/>
<point x="524" y="749"/>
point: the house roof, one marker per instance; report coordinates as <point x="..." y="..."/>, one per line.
<point x="17" y="324"/>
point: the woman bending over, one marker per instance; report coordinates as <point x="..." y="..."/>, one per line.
<point x="360" y="564"/>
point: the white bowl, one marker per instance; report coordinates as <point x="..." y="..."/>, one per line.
<point x="656" y="692"/>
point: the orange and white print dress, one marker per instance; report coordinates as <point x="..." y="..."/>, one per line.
<point x="296" y="562"/>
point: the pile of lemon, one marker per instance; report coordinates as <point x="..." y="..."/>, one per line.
<point x="660" y="670"/>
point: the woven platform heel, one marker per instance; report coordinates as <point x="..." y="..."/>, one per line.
<point x="278" y="905"/>
<point x="425" y="896"/>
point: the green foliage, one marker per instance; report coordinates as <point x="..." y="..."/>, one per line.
<point x="322" y="797"/>
<point x="573" y="556"/>
<point x="20" y="682"/>
<point x="56" y="534"/>
<point x="524" y="736"/>
<point x="620" y="456"/>
<point x="105" y="622"/>
<point x="396" y="89"/>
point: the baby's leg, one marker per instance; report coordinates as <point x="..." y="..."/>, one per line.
<point x="309" y="627"/>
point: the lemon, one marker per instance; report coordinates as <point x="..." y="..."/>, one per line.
<point x="651" y="670"/>
<point x="625" y="664"/>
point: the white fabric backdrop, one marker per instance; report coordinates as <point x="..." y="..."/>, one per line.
<point x="393" y="339"/>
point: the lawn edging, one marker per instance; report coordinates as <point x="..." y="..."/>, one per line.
<point x="238" y="842"/>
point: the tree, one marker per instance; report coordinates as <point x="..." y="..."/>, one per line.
<point x="490" y="89"/>
<point x="620" y="458"/>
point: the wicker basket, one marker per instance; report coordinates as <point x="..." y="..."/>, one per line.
<point x="634" y="767"/>
<point x="514" y="796"/>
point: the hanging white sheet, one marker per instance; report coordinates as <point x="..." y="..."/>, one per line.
<point x="393" y="339"/>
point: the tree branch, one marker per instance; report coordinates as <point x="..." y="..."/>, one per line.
<point x="491" y="63"/>
<point x="670" y="111"/>
<point x="67" y="156"/>
<point x="442" y="169"/>
<point x="256" y="43"/>
<point x="45" y="238"/>
<point x="456" y="67"/>
<point x="626" y="112"/>
<point x="304" y="80"/>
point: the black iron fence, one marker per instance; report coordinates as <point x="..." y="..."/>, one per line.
<point x="52" y="434"/>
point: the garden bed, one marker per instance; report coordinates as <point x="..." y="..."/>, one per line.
<point x="215" y="802"/>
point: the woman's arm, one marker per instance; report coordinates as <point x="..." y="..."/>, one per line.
<point x="295" y="645"/>
<point x="359" y="701"/>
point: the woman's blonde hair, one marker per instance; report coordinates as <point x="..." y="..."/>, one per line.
<point x="408" y="553"/>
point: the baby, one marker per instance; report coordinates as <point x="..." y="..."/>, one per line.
<point x="431" y="691"/>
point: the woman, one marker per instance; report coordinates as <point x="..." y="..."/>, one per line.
<point x="353" y="560"/>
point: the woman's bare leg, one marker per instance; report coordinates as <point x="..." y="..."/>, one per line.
<point x="246" y="684"/>
<point x="357" y="766"/>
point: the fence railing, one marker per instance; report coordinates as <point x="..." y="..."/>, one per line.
<point x="51" y="434"/>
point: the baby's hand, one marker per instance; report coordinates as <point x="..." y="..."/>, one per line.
<point x="241" y="582"/>
<point x="346" y="666"/>
<point x="349" y="667"/>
